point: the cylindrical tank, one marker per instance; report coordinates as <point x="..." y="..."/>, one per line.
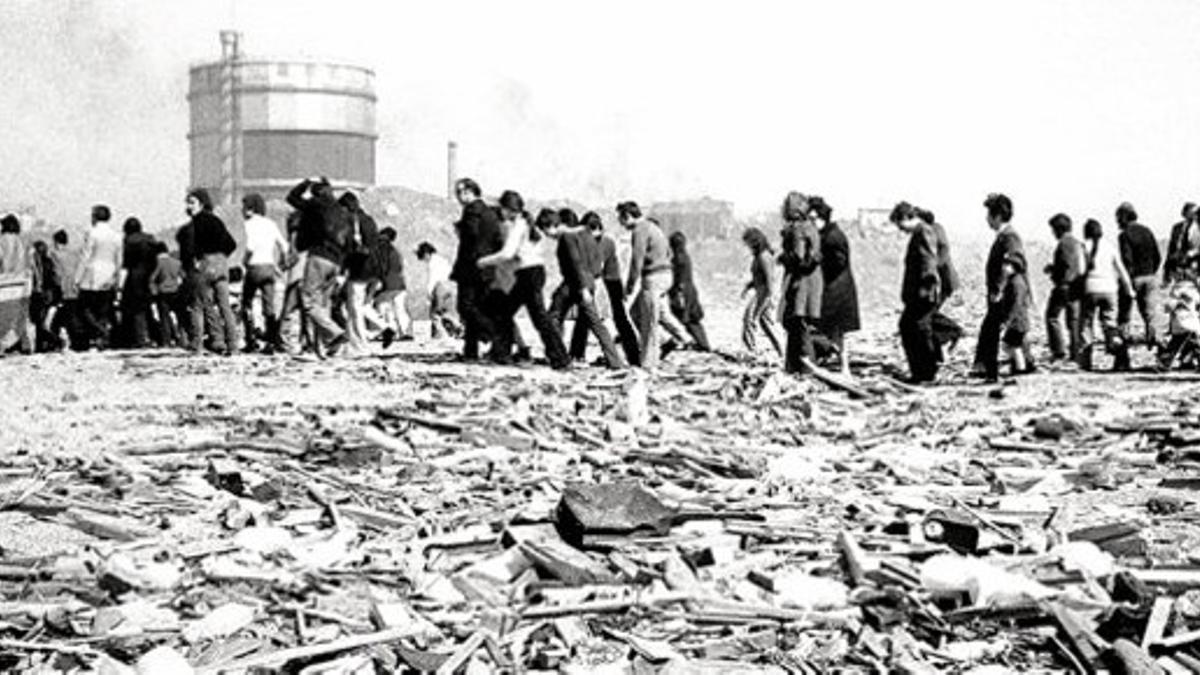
<point x="297" y="119"/>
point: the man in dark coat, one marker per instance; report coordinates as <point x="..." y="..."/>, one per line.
<point x="324" y="232"/>
<point x="140" y="258"/>
<point x="1007" y="296"/>
<point x="479" y="234"/>
<point x="839" y="298"/>
<point x="1066" y="275"/>
<point x="1183" y="249"/>
<point x="1141" y="257"/>
<point x="920" y="291"/>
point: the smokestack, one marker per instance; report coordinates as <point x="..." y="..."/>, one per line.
<point x="451" y="167"/>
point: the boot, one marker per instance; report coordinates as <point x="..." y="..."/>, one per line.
<point x="1085" y="357"/>
<point x="274" y="340"/>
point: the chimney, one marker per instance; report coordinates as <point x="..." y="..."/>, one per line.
<point x="451" y="167"/>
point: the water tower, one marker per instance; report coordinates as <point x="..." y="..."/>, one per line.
<point x="261" y="125"/>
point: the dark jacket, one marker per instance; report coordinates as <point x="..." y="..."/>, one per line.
<point x="1181" y="256"/>
<point x="1069" y="267"/>
<point x="479" y="234"/>
<point x="324" y="230"/>
<point x="1006" y="258"/>
<point x="947" y="274"/>
<point x="683" y="296"/>
<point x="139" y="255"/>
<point x="801" y="261"/>
<point x="360" y="253"/>
<point x="922" y="281"/>
<point x="576" y="253"/>
<point x="186" y="239"/>
<point x="839" y="299"/>
<point x="1009" y="292"/>
<point x="390" y="266"/>
<point x="610" y="265"/>
<point x="210" y="235"/>
<point x="1139" y="250"/>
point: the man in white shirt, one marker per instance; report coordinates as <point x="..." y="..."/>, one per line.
<point x="265" y="251"/>
<point x="97" y="276"/>
<point x="439" y="290"/>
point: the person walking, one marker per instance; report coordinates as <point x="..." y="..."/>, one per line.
<point x="17" y="276"/>
<point x="66" y="319"/>
<point x="1105" y="279"/>
<point x="1066" y="274"/>
<point x="1007" y="295"/>
<point x="523" y="252"/>
<point x="609" y="275"/>
<point x="439" y="292"/>
<point x="139" y="259"/>
<point x="97" y="277"/>
<point x="362" y="271"/>
<point x="1182" y="263"/>
<point x="213" y="246"/>
<point x="758" y="314"/>
<point x="803" y="284"/>
<point x="169" y="303"/>
<point x="479" y="234"/>
<point x="389" y="306"/>
<point x="323" y="232"/>
<point x="46" y="296"/>
<point x="266" y="251"/>
<point x="684" y="297"/>
<point x="839" y="295"/>
<point x="576" y="253"/>
<point x="1141" y="257"/>
<point x="920" y="291"/>
<point x="649" y="283"/>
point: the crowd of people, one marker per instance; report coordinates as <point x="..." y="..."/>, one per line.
<point x="336" y="280"/>
<point x="332" y="269"/>
<point x="1092" y="281"/>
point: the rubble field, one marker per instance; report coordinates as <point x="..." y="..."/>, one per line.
<point x="161" y="513"/>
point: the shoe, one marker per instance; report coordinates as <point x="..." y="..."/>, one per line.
<point x="388" y="337"/>
<point x="335" y="345"/>
<point x="407" y="337"/>
<point x="668" y="347"/>
<point x="523" y="355"/>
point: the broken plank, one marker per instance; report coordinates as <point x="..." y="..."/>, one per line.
<point x="308" y="651"/>
<point x="1157" y="623"/>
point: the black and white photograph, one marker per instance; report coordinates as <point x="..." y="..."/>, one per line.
<point x="625" y="338"/>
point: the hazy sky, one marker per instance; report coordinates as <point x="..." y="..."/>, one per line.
<point x="1068" y="105"/>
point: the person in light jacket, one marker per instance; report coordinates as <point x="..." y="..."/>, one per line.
<point x="1105" y="279"/>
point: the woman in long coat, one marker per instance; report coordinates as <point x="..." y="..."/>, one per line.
<point x="839" y="299"/>
<point x="800" y="308"/>
<point x="685" y="299"/>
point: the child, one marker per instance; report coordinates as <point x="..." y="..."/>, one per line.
<point x="758" y="312"/>
<point x="1184" y="346"/>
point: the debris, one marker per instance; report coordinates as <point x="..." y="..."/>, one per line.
<point x="719" y="516"/>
